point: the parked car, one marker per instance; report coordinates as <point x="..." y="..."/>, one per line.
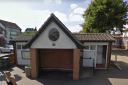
<point x="6" y="49"/>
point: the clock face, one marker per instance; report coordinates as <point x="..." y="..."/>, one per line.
<point x="53" y="34"/>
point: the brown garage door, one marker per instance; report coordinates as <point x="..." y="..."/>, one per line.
<point x="56" y="59"/>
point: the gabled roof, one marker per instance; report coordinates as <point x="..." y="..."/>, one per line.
<point x="84" y="37"/>
<point x="62" y="27"/>
<point x="97" y="37"/>
<point x="10" y="24"/>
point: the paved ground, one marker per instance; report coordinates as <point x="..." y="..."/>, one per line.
<point x="112" y="76"/>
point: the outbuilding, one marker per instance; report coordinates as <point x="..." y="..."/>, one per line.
<point x="54" y="47"/>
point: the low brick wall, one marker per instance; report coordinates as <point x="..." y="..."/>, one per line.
<point x="12" y="60"/>
<point x="11" y="56"/>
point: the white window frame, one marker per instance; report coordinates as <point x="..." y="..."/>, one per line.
<point x="22" y="50"/>
<point x="90" y="48"/>
<point x="22" y="54"/>
<point x="96" y="44"/>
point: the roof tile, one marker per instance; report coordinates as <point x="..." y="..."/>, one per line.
<point x="94" y="37"/>
<point x="10" y="24"/>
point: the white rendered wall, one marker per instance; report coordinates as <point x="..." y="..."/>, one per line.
<point x="64" y="42"/>
<point x="20" y="59"/>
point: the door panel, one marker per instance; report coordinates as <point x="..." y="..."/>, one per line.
<point x="99" y="54"/>
<point x="88" y="58"/>
<point x="21" y="57"/>
<point x="56" y="58"/>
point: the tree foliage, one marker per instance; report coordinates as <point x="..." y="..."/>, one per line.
<point x="104" y="15"/>
<point x="31" y="30"/>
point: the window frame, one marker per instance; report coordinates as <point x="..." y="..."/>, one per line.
<point x="89" y="48"/>
<point x="94" y="47"/>
<point x="23" y="51"/>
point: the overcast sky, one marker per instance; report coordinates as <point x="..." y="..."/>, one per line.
<point x="33" y="13"/>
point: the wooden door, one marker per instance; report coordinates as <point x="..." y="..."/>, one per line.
<point x="56" y="58"/>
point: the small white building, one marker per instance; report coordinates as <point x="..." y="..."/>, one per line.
<point x="55" y="47"/>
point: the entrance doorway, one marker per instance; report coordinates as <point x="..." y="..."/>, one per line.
<point x="95" y="56"/>
<point x="89" y="56"/>
<point x="101" y="56"/>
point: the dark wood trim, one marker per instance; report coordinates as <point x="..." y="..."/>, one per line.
<point x="100" y="66"/>
<point x="34" y="63"/>
<point x="109" y="50"/>
<point x="54" y="69"/>
<point x="15" y="54"/>
<point x="76" y="64"/>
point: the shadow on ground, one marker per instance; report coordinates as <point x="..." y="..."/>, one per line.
<point x="2" y="73"/>
<point x="17" y="77"/>
<point x="66" y="79"/>
<point x="100" y="77"/>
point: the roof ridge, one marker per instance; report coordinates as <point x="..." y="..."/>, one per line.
<point x="7" y="21"/>
<point x="9" y="24"/>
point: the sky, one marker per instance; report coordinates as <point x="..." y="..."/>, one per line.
<point x="33" y="13"/>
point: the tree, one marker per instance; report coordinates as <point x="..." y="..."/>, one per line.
<point x="31" y="29"/>
<point x="104" y="15"/>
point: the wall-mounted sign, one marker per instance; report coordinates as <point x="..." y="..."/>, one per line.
<point x="53" y="34"/>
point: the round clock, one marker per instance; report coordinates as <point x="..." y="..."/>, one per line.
<point x="53" y="34"/>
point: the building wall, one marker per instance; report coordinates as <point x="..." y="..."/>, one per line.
<point x="2" y="29"/>
<point x="120" y="42"/>
<point x="23" y="55"/>
<point x="11" y="33"/>
<point x="63" y="42"/>
<point x="125" y="34"/>
<point x="117" y="43"/>
<point x="125" y="43"/>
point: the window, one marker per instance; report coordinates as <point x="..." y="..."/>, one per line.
<point x="25" y="54"/>
<point x="92" y="47"/>
<point x="86" y="47"/>
<point x="13" y="33"/>
<point x="18" y="46"/>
